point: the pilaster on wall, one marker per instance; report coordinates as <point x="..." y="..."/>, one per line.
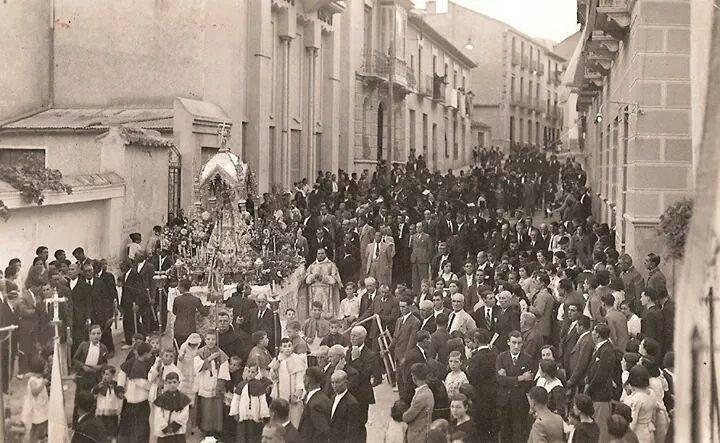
<point x="260" y="41"/>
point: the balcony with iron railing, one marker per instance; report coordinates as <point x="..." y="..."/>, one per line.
<point x="377" y="66"/>
<point x="613" y="16"/>
<point x="439" y="89"/>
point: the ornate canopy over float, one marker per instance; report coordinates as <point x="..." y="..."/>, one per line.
<point x="223" y="245"/>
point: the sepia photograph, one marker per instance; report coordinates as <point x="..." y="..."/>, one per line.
<point x="362" y="221"/>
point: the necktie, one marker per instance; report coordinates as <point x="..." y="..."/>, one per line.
<point x="452" y="317"/>
<point x="514" y="359"/>
<point x="260" y="315"/>
<point x="377" y="250"/>
<point x="488" y="316"/>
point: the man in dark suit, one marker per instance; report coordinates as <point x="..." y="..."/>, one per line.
<point x="508" y="319"/>
<point x="406" y="326"/>
<point x="486" y="316"/>
<point x="467" y="284"/>
<point x="361" y="358"/>
<point x="162" y="262"/>
<point x="104" y="296"/>
<point x="321" y="239"/>
<point x="652" y="319"/>
<point x="401" y="262"/>
<point x="348" y="260"/>
<point x="482" y="376"/>
<point x="145" y="272"/>
<point x="280" y="415"/>
<point x="501" y="241"/>
<point x="241" y="305"/>
<point x="81" y="294"/>
<point x="387" y="307"/>
<point x="580" y="355"/>
<point x="439" y="348"/>
<point x="421" y="253"/>
<point x="603" y="377"/>
<point x="427" y="319"/>
<point x="535" y="242"/>
<point x="514" y="378"/>
<point x="443" y="255"/>
<point x="415" y="354"/>
<point x="262" y="318"/>
<point x="315" y="420"/>
<point x="447" y="227"/>
<point x="345" y="425"/>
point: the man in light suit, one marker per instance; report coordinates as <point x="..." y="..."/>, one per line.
<point x="315" y="420"/>
<point x="419" y="415"/>
<point x="421" y="252"/>
<point x="379" y="257"/>
<point x="345" y="424"/>
<point x="547" y="426"/>
<point x="367" y="236"/>
<point x="406" y="328"/>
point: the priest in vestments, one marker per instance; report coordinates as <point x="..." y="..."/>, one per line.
<point x="323" y="281"/>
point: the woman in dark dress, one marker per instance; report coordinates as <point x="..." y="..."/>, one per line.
<point x="460" y="419"/>
<point x="586" y="430"/>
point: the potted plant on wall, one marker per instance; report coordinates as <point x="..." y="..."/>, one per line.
<point x="674" y="226"/>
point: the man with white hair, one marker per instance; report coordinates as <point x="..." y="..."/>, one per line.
<point x="459" y="320"/>
<point x="427" y="322"/>
<point x="366" y="362"/>
<point x="336" y="361"/>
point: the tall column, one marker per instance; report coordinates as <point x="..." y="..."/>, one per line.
<point x="312" y="98"/>
<point x="285" y="112"/>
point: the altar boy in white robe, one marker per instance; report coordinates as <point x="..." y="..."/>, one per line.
<point x="172" y="411"/>
<point x="212" y="371"/>
<point x="134" y="423"/>
<point x="287" y="373"/>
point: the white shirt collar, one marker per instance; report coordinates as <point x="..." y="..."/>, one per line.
<point x="405" y="317"/>
<point x="597" y="346"/>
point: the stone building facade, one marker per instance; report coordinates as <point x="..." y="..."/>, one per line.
<point x="290" y="77"/>
<point x="516" y="83"/>
<point x="633" y="81"/>
<point x="431" y="87"/>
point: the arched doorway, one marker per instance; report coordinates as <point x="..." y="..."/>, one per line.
<point x="380" y="131"/>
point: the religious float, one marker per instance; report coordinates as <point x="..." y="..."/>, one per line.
<point x="222" y="245"/>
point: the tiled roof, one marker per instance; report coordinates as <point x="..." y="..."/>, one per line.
<point x="95" y="118"/>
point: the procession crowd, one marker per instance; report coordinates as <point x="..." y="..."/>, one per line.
<point x="490" y="325"/>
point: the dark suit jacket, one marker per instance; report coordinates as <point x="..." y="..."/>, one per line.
<point x="89" y="429"/>
<point x="668" y="331"/>
<point x="579" y="360"/>
<point x="404" y="336"/>
<point x="652" y="324"/>
<point x="482" y="322"/>
<point x="345" y="424"/>
<point x="602" y="376"/>
<point x="104" y="293"/>
<point x="412" y="356"/>
<point x="352" y="379"/>
<point x="315" y="420"/>
<point x="268" y="323"/>
<point x="81" y="297"/>
<point x="82" y="352"/>
<point x="481" y="373"/>
<point x="368" y="366"/>
<point x="429" y="325"/>
<point x="508" y="320"/>
<point x="348" y="264"/>
<point x="439" y="348"/>
<point x="568" y="338"/>
<point x="510" y="389"/>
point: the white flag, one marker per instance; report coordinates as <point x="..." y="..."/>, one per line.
<point x="57" y="421"/>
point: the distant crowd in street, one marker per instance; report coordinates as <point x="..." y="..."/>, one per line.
<point x="492" y="301"/>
